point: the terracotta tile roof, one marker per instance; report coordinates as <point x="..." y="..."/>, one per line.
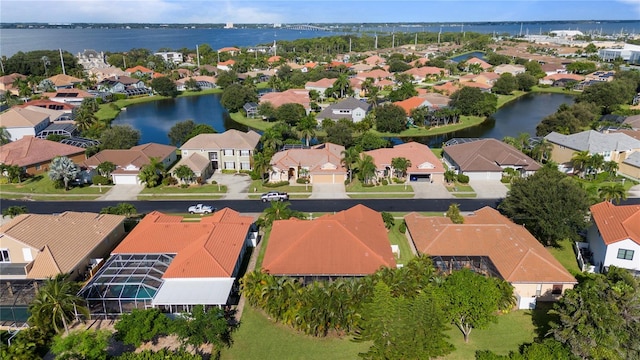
<point x="516" y="254"/>
<point x="64" y="80"/>
<point x="488" y="155"/>
<point x="474" y="60"/>
<point x="228" y="62"/>
<point x="425" y="71"/>
<point x="228" y="48"/>
<point x="352" y="242"/>
<point x="274" y="58"/>
<point x="376" y="74"/>
<point x="230" y="139"/>
<point x="209" y="248"/>
<point x="419" y="62"/>
<point x="322" y="83"/>
<point x="79" y="93"/>
<point x="30" y="151"/>
<point x="320" y="159"/>
<point x="8" y="80"/>
<point x="138" y="155"/>
<point x="140" y="68"/>
<point x="63" y="240"/>
<point x="19" y="117"/>
<point x="423" y="160"/>
<point x="447" y="88"/>
<point x="374" y="60"/>
<point x="617" y="223"/>
<point x="412" y="103"/>
<point x="45" y="103"/>
<point x="291" y="96"/>
<point x="574" y="77"/>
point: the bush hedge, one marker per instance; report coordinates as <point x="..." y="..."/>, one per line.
<point x="276" y="184"/>
<point x="463" y="179"/>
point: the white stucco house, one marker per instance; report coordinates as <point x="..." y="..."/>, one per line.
<point x="21" y="122"/>
<point x="351" y="108"/>
<point x="614" y="237"/>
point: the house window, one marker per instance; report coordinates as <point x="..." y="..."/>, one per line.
<point x="244" y="152"/>
<point x="556" y="290"/>
<point x="625" y="254"/>
<point x="4" y="255"/>
<point x="245" y="166"/>
<point x="229" y="165"/>
<point x="228" y="152"/>
<point x="39" y="167"/>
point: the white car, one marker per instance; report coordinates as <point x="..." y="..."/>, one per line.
<point x="274" y="196"/>
<point x="201" y="209"/>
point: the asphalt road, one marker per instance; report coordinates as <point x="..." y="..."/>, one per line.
<point x="255" y="206"/>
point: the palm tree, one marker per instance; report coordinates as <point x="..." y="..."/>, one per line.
<point x="366" y="168"/>
<point x="341" y="85"/>
<point x="610" y="167"/>
<point x="400" y="165"/>
<point x="105" y="168"/>
<point x="350" y="157"/>
<point x="151" y="173"/>
<point x="271" y="140"/>
<point x="63" y="169"/>
<point x="541" y="150"/>
<point x="56" y="304"/>
<point x="595" y="163"/>
<point x="184" y="173"/>
<point x="307" y="128"/>
<point x="449" y="176"/>
<point x="84" y="119"/>
<point x="612" y="192"/>
<point x="580" y="160"/>
<point x="279" y="211"/>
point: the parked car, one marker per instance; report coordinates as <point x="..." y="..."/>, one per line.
<point x="201" y="209"/>
<point x="274" y="196"/>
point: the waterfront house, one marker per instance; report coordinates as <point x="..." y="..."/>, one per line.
<point x="614" y="237"/>
<point x="476" y="61"/>
<point x="139" y="71"/>
<point x="21" y="122"/>
<point x="172" y="264"/>
<point x="490" y="244"/>
<point x="509" y="68"/>
<point x="34" y="246"/>
<point x="291" y="96"/>
<point x="63" y="81"/>
<point x="34" y="155"/>
<point x="69" y="96"/>
<point x="205" y="82"/>
<point x="425" y="73"/>
<point x="7" y="81"/>
<point x="320" y="164"/>
<point x="486" y="159"/>
<point x="171" y="56"/>
<point x="350" y="243"/>
<point x="425" y="166"/>
<point x="120" y="84"/>
<point x="350" y="108"/>
<point x="230" y="150"/>
<point x="129" y="162"/>
<point x="226" y="65"/>
<point x="320" y="86"/>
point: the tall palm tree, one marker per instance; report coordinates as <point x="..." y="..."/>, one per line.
<point x="350" y="157"/>
<point x="580" y="160"/>
<point x="541" y="150"/>
<point x="307" y="128"/>
<point x="271" y="140"/>
<point x="595" y="163"/>
<point x="612" y="192"/>
<point x="5" y="136"/>
<point x="56" y="304"/>
<point x="85" y="119"/>
<point x="400" y="165"/>
<point x="261" y="163"/>
<point x="366" y="168"/>
<point x="610" y="167"/>
<point x="341" y="85"/>
<point x="63" y="168"/>
<point x="151" y="173"/>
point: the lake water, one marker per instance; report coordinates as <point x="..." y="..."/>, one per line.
<point x="155" y="119"/>
<point x="463" y="57"/>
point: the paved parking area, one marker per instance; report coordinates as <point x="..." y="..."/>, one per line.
<point x="237" y="184"/>
<point x="328" y="191"/>
<point x="489" y="189"/>
<point x="428" y="190"/>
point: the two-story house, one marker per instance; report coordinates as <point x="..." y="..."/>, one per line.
<point x="230" y="150"/>
<point x="350" y="108"/>
<point x="21" y="122"/>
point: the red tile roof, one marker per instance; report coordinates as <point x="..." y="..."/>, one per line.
<point x="31" y="151"/>
<point x="209" y="248"/>
<point x="617" y="223"/>
<point x="474" y="60"/>
<point x="423" y="160"/>
<point x="411" y="103"/>
<point x="352" y="242"/>
<point x="516" y="254"/>
<point x="140" y="68"/>
<point x="291" y="96"/>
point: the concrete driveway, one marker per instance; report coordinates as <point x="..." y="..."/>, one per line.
<point x="428" y="190"/>
<point x="634" y="192"/>
<point x="489" y="189"/>
<point x="328" y="191"/>
<point x="122" y="193"/>
<point x="237" y="184"/>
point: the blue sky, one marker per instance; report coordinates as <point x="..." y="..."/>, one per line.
<point x="308" y="11"/>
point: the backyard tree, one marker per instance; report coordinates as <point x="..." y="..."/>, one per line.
<point x="614" y="192"/>
<point x="306" y="128"/>
<point x="549" y="204"/>
<point x="200" y="129"/>
<point x="180" y="131"/>
<point x="204" y="327"/>
<point x="340" y="133"/>
<point x="119" y="137"/>
<point x="63" y="169"/>
<point x="471" y="300"/>
<point x="142" y="325"/>
<point x="235" y="96"/>
<point x="472" y="101"/>
<point x="453" y="213"/>
<point x="164" y="86"/>
<point x="525" y="81"/>
<point x="391" y="118"/>
<point x="56" y="304"/>
<point x="82" y="344"/>
<point x="505" y="84"/>
<point x="290" y="113"/>
<point x="226" y="78"/>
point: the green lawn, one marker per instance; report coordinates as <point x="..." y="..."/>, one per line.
<point x="259" y="188"/>
<point x="41" y="184"/>
<point x="260" y="338"/>
<point x="263" y="248"/>
<point x="437" y="152"/>
<point x="192" y="196"/>
<point x="356" y="186"/>
<point x="505" y="99"/>
<point x="465" y="122"/>
<point x="469" y="195"/>
<point x="194" y="189"/>
<point x="511" y="330"/>
<point x="45" y="197"/>
<point x="459" y="188"/>
<point x="565" y="255"/>
<point x="398" y="238"/>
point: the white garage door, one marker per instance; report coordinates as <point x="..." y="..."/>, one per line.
<point x="125" y="179"/>
<point x="484" y="175"/>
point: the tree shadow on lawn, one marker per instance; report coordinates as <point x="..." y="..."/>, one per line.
<point x="541" y="318"/>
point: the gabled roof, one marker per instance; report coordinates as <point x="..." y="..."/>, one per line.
<point x="30" y="151"/>
<point x="374" y="60"/>
<point x="376" y="74"/>
<point x="138" y="155"/>
<point x="205" y="249"/>
<point x="488" y="155"/>
<point x="322" y="83"/>
<point x="291" y="96"/>
<point x="323" y="158"/>
<point x="423" y="160"/>
<point x="516" y="254"/>
<point x="425" y="71"/>
<point x="68" y="93"/>
<point x="594" y="142"/>
<point x="47" y="104"/>
<point x="474" y="60"/>
<point x="352" y="242"/>
<point x="412" y="103"/>
<point x="64" y="80"/>
<point x="8" y="80"/>
<point x="346" y="104"/>
<point x="230" y="139"/>
<point x="61" y="240"/>
<point x="140" y="68"/>
<point x="19" y="117"/>
<point x="617" y="223"/>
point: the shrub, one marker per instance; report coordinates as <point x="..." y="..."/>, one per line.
<point x="169" y="180"/>
<point x="402" y="227"/>
<point x="398" y="181"/>
<point x="302" y="181"/>
<point x="384" y="182"/>
<point x="276" y="184"/>
<point x="228" y="171"/>
<point x="213" y="182"/>
<point x="254" y="175"/>
<point x="184" y="186"/>
<point x="142" y="325"/>
<point x="368" y="185"/>
<point x="463" y="179"/>
<point x="100" y="180"/>
<point x="505" y="179"/>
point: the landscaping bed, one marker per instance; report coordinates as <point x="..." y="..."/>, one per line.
<point x="193" y="189"/>
<point x="258" y="188"/>
<point x="357" y="186"/>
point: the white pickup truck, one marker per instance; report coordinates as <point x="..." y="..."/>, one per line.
<point x="201" y="209"/>
<point x="274" y="196"/>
